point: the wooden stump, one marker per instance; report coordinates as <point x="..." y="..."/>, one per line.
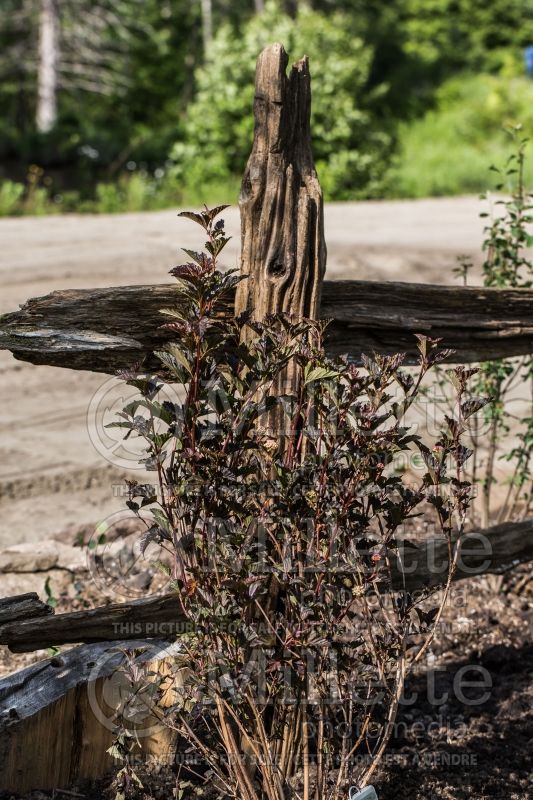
<point x="283" y="250"/>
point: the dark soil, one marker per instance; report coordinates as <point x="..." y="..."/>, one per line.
<point x="458" y="749"/>
<point x="453" y="741"/>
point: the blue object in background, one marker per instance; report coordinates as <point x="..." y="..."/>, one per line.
<point x="528" y="58"/>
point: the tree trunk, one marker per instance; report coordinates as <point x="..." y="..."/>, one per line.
<point x="291" y="7"/>
<point x="48" y="66"/>
<point x="259" y="6"/>
<point x="207" y="23"/>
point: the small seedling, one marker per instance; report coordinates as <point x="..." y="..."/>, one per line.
<point x="51" y="599"/>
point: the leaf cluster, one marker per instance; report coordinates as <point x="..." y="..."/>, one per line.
<point x="283" y="540"/>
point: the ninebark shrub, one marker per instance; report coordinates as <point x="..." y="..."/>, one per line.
<point x="282" y="518"/>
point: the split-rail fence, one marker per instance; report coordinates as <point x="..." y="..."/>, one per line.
<point x="50" y="734"/>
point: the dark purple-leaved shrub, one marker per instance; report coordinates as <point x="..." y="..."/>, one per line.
<point x="281" y="516"/>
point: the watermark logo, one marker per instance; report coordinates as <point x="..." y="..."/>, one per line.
<point x="118" y="445"/>
<point x="125" y="694"/>
<point x="119" y="563"/>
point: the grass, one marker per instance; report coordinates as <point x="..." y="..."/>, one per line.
<point x="449" y="151"/>
<point x="132" y="192"/>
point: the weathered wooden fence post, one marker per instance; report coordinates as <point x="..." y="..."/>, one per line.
<point x="283" y="250"/>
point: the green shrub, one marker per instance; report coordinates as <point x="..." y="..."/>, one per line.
<point x="10" y="197"/>
<point x="136" y="191"/>
<point x="507" y="237"/>
<point x="449" y="150"/>
<point x="31" y="198"/>
<point x="130" y="192"/>
<point x="108" y="200"/>
<point x="350" y="147"/>
<point x="70" y="201"/>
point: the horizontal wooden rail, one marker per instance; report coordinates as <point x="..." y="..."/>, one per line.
<point x="23" y="606"/>
<point x="104" y="330"/>
<point x="493" y="550"/>
<point x="139" y="619"/>
<point x="420" y="567"/>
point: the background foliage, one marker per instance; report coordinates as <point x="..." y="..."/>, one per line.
<point x="410" y="96"/>
<point x="448" y="149"/>
<point x="350" y="148"/>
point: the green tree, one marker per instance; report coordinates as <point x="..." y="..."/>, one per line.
<point x="448" y="150"/>
<point x="420" y="43"/>
<point x="124" y="74"/>
<point x="350" y="147"/>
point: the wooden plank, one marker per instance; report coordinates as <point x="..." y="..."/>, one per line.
<point x="105" y="330"/>
<point x="423" y="564"/>
<point x="57" y="717"/>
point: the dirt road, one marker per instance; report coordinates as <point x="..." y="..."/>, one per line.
<point x="58" y="464"/>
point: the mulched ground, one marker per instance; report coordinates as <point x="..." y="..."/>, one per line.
<point x="456" y="750"/>
<point x="444" y="747"/>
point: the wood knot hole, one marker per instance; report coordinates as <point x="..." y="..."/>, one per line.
<point x="276" y="269"/>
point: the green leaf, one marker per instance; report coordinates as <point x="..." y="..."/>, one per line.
<point x="51" y="599"/>
<point x="319" y="374"/>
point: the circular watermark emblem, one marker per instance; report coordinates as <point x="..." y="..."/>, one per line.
<point x="125" y="694"/>
<point x="118" y="445"/>
<point x="124" y="560"/>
